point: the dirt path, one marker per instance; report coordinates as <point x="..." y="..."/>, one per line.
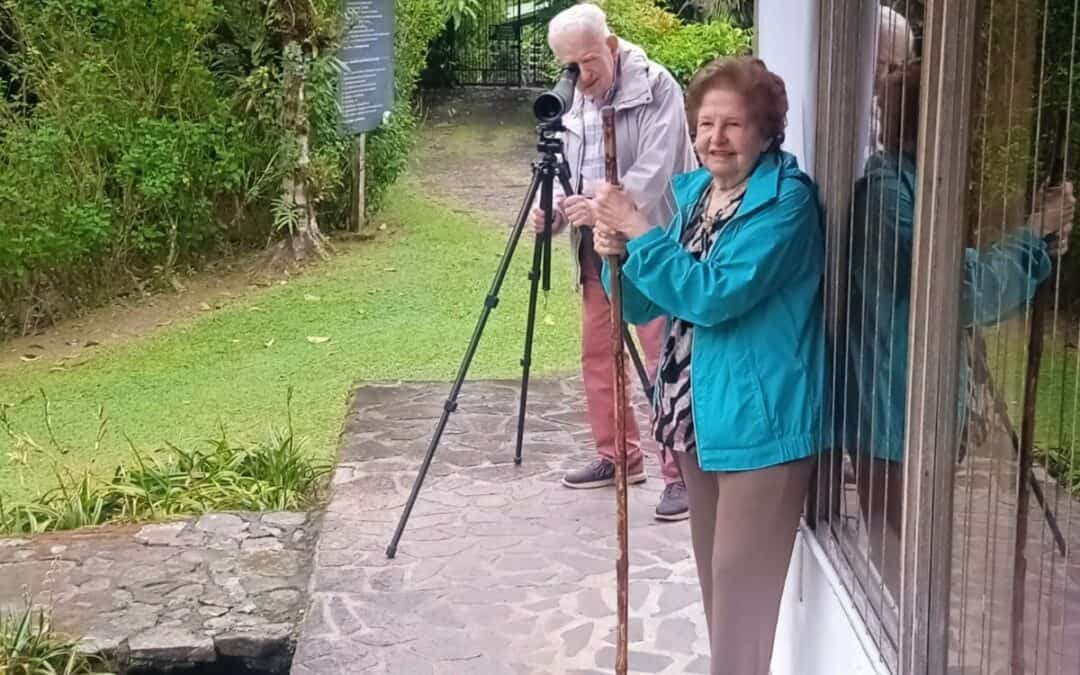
<point x="476" y="150"/>
<point x="473" y="154"/>
<point x="132" y="318"/>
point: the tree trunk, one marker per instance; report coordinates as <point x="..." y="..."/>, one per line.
<point x="305" y="237"/>
<point x="1005" y="53"/>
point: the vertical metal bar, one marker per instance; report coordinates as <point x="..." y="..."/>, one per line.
<point x="1066" y="603"/>
<point x="1043" y="295"/>
<point x="934" y="340"/>
<point x="1007" y="209"/>
<point x="833" y="169"/>
<point x="817" y="510"/>
<point x="517" y="33"/>
<point x="986" y="10"/>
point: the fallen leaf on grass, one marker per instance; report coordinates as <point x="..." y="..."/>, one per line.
<point x="389" y="269"/>
<point x="549" y="320"/>
<point x="312" y="298"/>
<point x="204" y="306"/>
<point x="269" y="343"/>
<point x="317" y="339"/>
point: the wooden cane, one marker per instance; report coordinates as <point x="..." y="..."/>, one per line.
<point x="622" y="565"/>
<point x="1043" y="297"/>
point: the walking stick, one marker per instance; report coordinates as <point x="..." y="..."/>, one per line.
<point x="1043" y="296"/>
<point x="622" y="565"/>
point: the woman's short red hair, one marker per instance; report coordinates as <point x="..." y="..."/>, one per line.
<point x="762" y="89"/>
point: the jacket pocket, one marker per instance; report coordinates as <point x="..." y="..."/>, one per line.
<point x="788" y="395"/>
<point x="750" y="372"/>
<point x="729" y="407"/>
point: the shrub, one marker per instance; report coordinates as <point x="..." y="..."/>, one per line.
<point x="418" y="23"/>
<point x="28" y="646"/>
<point x="117" y="142"/>
<point x="276" y="475"/>
<point x="642" y="22"/>
<point x="693" y="45"/>
<point x="680" y="47"/>
<point x="141" y="137"/>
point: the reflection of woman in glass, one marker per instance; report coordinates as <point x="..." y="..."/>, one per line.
<point x="996" y="282"/>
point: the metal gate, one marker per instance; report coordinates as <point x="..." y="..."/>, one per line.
<point x="506" y="44"/>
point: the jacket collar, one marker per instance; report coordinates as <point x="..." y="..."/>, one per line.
<point x="634" y="86"/>
<point x="763" y="188"/>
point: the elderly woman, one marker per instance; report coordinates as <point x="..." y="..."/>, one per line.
<point x="738" y="274"/>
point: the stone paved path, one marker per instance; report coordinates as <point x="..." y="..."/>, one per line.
<point x="225" y="588"/>
<point x="501" y="570"/>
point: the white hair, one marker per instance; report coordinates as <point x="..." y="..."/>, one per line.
<point x="890" y="22"/>
<point x="579" y="19"/>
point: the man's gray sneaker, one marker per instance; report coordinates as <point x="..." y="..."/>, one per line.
<point x="674" y="504"/>
<point x="601" y="473"/>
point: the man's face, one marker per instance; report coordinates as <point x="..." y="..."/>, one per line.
<point x="594" y="55"/>
<point x="892" y="51"/>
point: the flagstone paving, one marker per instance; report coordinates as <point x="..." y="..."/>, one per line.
<point x="501" y="569"/>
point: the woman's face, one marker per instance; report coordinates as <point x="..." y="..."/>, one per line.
<point x="728" y="141"/>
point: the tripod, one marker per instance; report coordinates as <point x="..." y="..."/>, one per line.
<point x="544" y="173"/>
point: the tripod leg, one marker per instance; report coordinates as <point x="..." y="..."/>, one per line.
<point x="646" y="383"/>
<point x="543" y="243"/>
<point x="1048" y="513"/>
<point x="450" y="405"/>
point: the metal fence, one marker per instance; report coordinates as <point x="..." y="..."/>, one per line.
<point x="505" y="44"/>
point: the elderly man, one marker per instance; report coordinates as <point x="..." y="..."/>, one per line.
<point x="653" y="145"/>
<point x="895" y="49"/>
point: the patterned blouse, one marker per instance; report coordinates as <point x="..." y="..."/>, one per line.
<point x="673" y="424"/>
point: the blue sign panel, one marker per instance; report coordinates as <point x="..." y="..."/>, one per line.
<point x="367" y="81"/>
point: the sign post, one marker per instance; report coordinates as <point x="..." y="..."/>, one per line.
<point x="366" y="88"/>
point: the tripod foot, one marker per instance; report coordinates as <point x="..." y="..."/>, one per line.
<point x="391" y="551"/>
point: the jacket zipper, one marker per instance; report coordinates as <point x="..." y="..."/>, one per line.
<point x="694" y="346"/>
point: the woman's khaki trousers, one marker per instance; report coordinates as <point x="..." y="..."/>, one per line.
<point x="743" y="528"/>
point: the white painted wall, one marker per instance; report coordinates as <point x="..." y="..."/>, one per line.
<point x="820" y="632"/>
<point x="786" y="35"/>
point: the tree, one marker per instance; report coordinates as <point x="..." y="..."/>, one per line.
<point x="303" y="28"/>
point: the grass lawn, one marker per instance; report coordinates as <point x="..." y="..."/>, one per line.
<point x="402" y="306"/>
<point x="1057" y="405"/>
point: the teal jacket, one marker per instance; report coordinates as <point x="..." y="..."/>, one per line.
<point x="997" y="282"/>
<point x="758" y="359"/>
